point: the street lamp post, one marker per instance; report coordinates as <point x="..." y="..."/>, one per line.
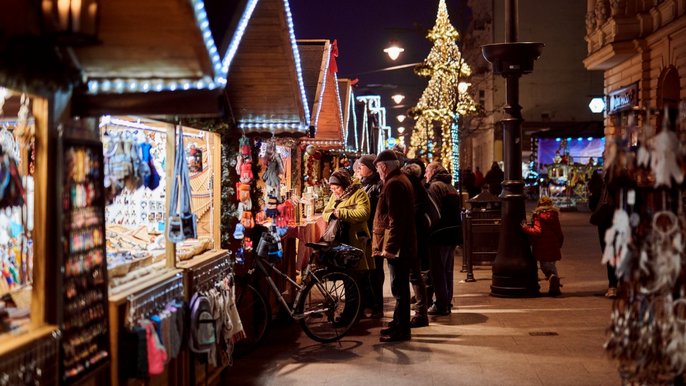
<point x="514" y="268"/>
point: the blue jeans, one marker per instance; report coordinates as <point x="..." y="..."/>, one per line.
<point x="399" y="269"/>
<point x="548" y="268"/>
<point x="442" y="266"/>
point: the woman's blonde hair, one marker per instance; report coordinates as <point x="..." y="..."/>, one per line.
<point x="545" y="201"/>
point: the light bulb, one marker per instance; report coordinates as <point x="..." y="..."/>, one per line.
<point x="397" y="98"/>
<point x="401" y="129"/>
<point x="401" y="118"/>
<point x="393" y="51"/>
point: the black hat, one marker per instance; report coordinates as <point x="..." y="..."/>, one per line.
<point x="386" y="155"/>
<point x="368" y="161"/>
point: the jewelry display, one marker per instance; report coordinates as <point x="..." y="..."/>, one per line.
<point x="85" y="342"/>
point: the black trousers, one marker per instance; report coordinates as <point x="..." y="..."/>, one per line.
<point x="399" y="269"/>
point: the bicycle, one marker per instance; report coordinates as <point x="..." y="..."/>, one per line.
<point x="327" y="301"/>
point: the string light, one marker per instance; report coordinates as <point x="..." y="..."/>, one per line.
<point x="444" y="99"/>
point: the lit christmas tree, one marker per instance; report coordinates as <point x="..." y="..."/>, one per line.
<point x="444" y="99"/>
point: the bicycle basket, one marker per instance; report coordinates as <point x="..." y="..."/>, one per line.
<point x="341" y="256"/>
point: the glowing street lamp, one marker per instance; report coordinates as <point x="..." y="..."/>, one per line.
<point x="597" y="105"/>
<point x="462" y="87"/>
<point x="401" y="118"/>
<point x="397" y="98"/>
<point x="394" y="51"/>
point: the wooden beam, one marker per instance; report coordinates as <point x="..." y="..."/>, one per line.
<point x="187" y="103"/>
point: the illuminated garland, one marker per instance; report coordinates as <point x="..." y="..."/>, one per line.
<point x="441" y="103"/>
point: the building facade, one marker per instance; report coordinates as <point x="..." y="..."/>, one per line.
<point x="640" y="46"/>
<point x="556" y="95"/>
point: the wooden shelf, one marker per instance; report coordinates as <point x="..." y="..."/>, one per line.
<point x="141" y="284"/>
<point x="9" y="342"/>
<point x="201" y="259"/>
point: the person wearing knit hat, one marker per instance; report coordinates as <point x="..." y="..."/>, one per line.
<point x="350" y="205"/>
<point x="395" y="239"/>
<point x="340" y="177"/>
<point x="368" y="161"/>
<point x="372" y="290"/>
<point x="386" y="155"/>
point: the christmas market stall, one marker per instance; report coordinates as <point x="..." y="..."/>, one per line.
<point x="161" y="181"/>
<point x="267" y="105"/>
<point x="322" y="152"/>
<point x="29" y="332"/>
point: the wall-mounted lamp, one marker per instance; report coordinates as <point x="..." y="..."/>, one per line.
<point x="597" y="105"/>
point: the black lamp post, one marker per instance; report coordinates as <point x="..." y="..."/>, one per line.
<point x="514" y="268"/>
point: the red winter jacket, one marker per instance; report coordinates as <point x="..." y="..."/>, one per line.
<point x="545" y="234"/>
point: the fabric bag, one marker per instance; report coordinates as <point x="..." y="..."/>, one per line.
<point x="182" y="223"/>
<point x="203" y="334"/>
<point x="333" y="229"/>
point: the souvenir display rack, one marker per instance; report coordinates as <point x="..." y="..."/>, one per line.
<point x="130" y="304"/>
<point x="646" y="245"/>
<point x="200" y="274"/>
<point x="83" y="315"/>
<point x="35" y="365"/>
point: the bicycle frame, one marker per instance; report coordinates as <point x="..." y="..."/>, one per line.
<point x="307" y="275"/>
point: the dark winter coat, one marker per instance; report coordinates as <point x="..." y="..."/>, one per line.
<point x="394" y="225"/>
<point x="372" y="186"/>
<point x="448" y="230"/>
<point x="426" y="212"/>
<point x="494" y="178"/>
<point x="545" y="234"/>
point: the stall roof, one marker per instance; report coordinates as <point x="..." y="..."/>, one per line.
<point x="265" y="88"/>
<point x="321" y="83"/>
<point x="161" y="56"/>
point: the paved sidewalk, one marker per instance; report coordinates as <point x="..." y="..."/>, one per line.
<point x="486" y="340"/>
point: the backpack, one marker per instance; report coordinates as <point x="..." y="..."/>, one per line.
<point x="203" y="331"/>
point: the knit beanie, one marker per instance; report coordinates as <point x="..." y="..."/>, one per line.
<point x="340" y="177"/>
<point x="368" y="161"/>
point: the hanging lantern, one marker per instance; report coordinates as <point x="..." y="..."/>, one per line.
<point x="73" y="22"/>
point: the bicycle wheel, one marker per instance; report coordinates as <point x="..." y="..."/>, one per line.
<point x="329" y="306"/>
<point x="255" y="315"/>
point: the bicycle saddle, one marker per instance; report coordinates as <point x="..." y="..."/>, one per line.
<point x="318" y="246"/>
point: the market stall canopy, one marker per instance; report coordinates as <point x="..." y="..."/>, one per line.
<point x="161" y="56"/>
<point x="321" y="86"/>
<point x="265" y="85"/>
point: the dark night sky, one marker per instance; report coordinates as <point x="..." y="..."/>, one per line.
<point x="364" y="28"/>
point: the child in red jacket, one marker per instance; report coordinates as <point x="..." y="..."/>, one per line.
<point x="546" y="238"/>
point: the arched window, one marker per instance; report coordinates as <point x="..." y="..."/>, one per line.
<point x="668" y="96"/>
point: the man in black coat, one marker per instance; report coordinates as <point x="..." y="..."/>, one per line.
<point x="444" y="238"/>
<point x="395" y="240"/>
<point x="372" y="184"/>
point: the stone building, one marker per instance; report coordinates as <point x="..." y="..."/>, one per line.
<point x="640" y="46"/>
<point x="554" y="97"/>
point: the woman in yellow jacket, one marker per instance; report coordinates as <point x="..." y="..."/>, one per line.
<point x="350" y="204"/>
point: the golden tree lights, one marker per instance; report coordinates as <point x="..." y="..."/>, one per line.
<point x="442" y="102"/>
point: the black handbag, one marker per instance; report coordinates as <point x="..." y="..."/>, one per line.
<point x="332" y="231"/>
